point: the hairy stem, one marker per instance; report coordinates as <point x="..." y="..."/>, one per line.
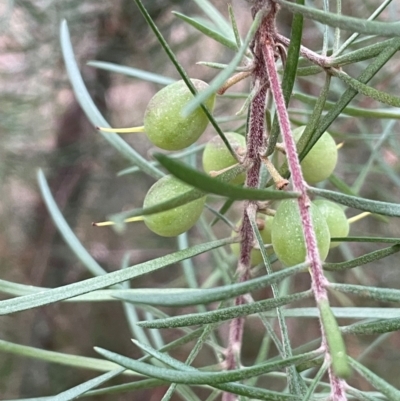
<point x="256" y="138"/>
<point x="317" y="277"/>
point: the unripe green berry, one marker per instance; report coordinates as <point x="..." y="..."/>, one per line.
<point x="265" y="224"/>
<point x="335" y="218"/>
<point x="163" y="121"/>
<point x="173" y="222"/>
<point x="287" y="233"/>
<point x="216" y="155"/>
<point x="321" y="160"/>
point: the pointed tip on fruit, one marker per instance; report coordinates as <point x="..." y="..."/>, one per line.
<point x="128" y="130"/>
<point x="103" y="224"/>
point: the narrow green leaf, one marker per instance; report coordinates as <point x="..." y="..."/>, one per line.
<point x="218" y="19"/>
<point x="347" y="23"/>
<point x="219" y="80"/>
<point x="369" y="205"/>
<point x="216" y="186"/>
<point x="372" y="17"/>
<point x="224" y="208"/>
<point x="362" y="54"/>
<point x="340" y="313"/>
<point x="76" y="361"/>
<point x="106" y="280"/>
<point x="295" y="382"/>
<point x="363" y="260"/>
<point x="337" y="349"/>
<point x="17" y="289"/>
<point x="208" y="378"/>
<point x="366" y="90"/>
<point x="92" y="112"/>
<point x="127" y="387"/>
<point x="69" y="237"/>
<point x="341" y="185"/>
<point x="376" y="327"/>
<point x="224" y="314"/>
<point x="224" y="40"/>
<point x="322" y="370"/>
<point x="83" y="388"/>
<point x="231" y="387"/>
<point x="350" y="111"/>
<point x="132" y="72"/>
<point x="190" y="195"/>
<point x="350" y="93"/>
<point x="380" y="294"/>
<point x="378" y="240"/>
<point x="373" y="379"/>
<point x="186" y="297"/>
<point x="235" y="28"/>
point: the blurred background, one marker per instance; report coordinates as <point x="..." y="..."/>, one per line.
<point x="42" y="126"/>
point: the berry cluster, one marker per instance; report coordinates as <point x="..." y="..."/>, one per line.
<point x="166" y="128"/>
<point x="284" y="230"/>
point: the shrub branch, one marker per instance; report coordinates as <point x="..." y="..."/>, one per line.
<point x="265" y="78"/>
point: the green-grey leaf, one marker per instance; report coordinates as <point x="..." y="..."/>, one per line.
<point x="350" y="93"/>
<point x="383" y="386"/>
<point x="362" y="54"/>
<point x="376" y="327"/>
<point x="83" y="388"/>
<point x="380" y="294"/>
<point x="366" y="90"/>
<point x="106" y="280"/>
<point x="216" y="186"/>
<point x="379" y="207"/>
<point x="219" y="80"/>
<point x="224" y="314"/>
<point x="66" y="232"/>
<point x="234" y="388"/>
<point x="185" y="297"/>
<point x="92" y="112"/>
<point x="362" y="260"/>
<point x="190" y="195"/>
<point x="347" y="23"/>
<point x="61" y="358"/>
<point x="132" y="72"/>
<point x="208" y="378"/>
<point x="345" y="313"/>
<point x="350" y="111"/>
<point x="218" y="19"/>
<point x="224" y="40"/>
<point x="127" y="387"/>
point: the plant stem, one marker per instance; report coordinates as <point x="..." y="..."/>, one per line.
<point x="317" y="276"/>
<point x="256" y="139"/>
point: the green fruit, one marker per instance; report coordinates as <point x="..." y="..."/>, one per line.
<point x="163" y="121"/>
<point x="321" y="160"/>
<point x="287" y="233"/>
<point x="174" y="221"/>
<point x="216" y="155"/>
<point x="335" y="218"/>
<point x="264" y="224"/>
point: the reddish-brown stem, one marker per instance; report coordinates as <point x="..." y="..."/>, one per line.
<point x="299" y="184"/>
<point x="317" y="277"/>
<point x="322" y="61"/>
<point x="265" y="77"/>
<point x="256" y="138"/>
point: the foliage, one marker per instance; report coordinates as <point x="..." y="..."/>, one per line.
<point x="246" y="320"/>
